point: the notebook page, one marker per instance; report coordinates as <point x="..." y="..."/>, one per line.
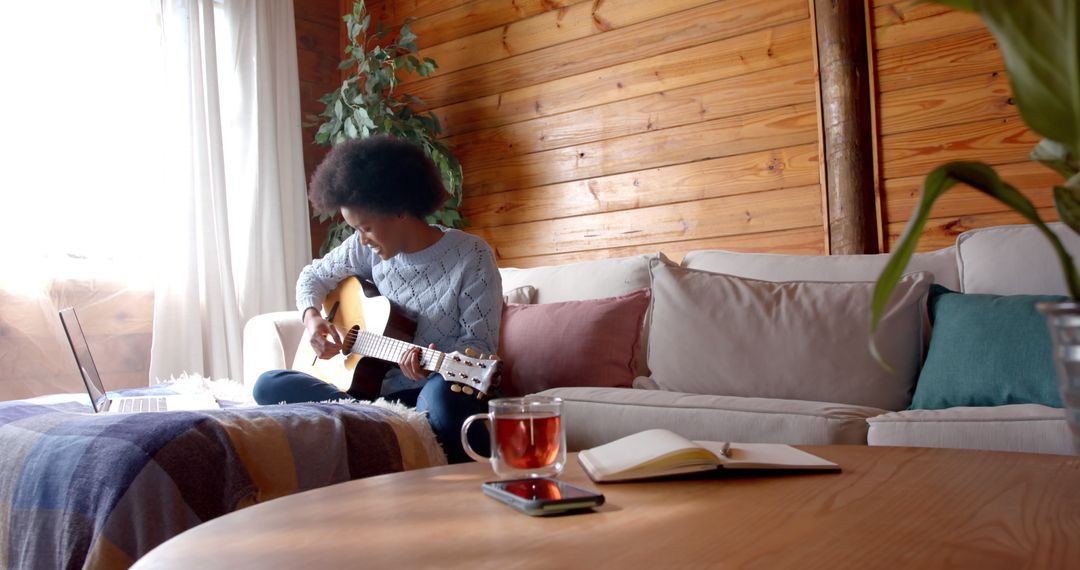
<point x="636" y="451"/>
<point x="767" y="456"/>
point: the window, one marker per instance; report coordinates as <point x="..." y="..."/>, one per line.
<point x="80" y="146"/>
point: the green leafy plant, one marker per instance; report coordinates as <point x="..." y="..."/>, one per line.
<point x="367" y="104"/>
<point x="1039" y="42"/>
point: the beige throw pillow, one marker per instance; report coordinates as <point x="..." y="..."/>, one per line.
<point x="524" y="295"/>
<point x="582" y="281"/>
<point x="718" y="334"/>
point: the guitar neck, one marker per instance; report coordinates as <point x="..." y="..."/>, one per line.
<point x="390" y="349"/>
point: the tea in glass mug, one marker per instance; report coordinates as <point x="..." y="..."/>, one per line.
<point x="528" y="438"/>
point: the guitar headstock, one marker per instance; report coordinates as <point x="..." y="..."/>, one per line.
<point x="471" y="371"/>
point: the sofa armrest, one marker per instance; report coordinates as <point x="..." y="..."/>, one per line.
<point x="270" y="342"/>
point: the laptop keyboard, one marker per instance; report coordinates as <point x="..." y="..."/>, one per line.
<point x="148" y="404"/>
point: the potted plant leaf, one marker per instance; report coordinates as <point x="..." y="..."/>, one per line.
<point x="367" y="104"/>
<point x="1040" y="44"/>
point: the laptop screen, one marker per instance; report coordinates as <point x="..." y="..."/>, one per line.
<point x="83" y="359"/>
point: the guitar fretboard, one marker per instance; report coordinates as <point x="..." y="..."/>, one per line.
<point x="391" y="349"/>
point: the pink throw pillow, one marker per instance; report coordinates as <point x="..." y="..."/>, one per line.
<point x="574" y="343"/>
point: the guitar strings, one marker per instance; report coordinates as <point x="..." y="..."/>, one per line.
<point x="390" y="349"/>
<point x="387" y="348"/>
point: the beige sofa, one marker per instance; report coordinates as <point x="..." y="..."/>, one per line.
<point x="1001" y="260"/>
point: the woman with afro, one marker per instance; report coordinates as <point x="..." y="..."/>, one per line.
<point x="444" y="279"/>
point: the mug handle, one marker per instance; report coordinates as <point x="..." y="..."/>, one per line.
<point x="465" y="440"/>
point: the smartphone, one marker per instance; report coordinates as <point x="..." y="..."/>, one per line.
<point x="542" y="496"/>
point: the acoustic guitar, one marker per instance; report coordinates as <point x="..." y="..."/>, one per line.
<point x="374" y="334"/>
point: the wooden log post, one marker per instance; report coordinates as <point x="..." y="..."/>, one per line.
<point x="847" y="121"/>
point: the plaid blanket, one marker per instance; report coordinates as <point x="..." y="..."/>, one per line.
<point x="87" y="490"/>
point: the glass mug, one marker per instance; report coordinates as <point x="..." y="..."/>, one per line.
<point x="528" y="438"/>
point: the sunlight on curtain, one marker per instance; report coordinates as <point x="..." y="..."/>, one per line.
<point x="81" y="156"/>
<point x="236" y="181"/>
<point x="81" y="143"/>
<point x="152" y="177"/>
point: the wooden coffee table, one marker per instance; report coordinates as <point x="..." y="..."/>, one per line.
<point x="890" y="507"/>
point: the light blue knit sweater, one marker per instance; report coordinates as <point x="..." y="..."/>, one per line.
<point x="452" y="289"/>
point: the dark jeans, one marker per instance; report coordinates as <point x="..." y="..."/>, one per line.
<point x="446" y="409"/>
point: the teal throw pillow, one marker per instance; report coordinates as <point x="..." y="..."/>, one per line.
<point x="987" y="350"/>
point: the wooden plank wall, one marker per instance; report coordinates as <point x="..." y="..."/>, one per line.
<point x="943" y="95"/>
<point x="318" y="51"/>
<point x="591" y="129"/>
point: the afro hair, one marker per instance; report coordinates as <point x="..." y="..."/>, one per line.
<point x="381" y="174"/>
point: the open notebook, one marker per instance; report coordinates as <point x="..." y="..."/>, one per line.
<point x="659" y="453"/>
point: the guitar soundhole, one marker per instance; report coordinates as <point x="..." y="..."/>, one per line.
<point x="350" y="338"/>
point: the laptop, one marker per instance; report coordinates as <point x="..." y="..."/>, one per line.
<point x="101" y="401"/>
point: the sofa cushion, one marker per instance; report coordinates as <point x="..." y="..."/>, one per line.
<point x="987" y="350"/>
<point x="718" y="334"/>
<point x="573" y="343"/>
<point x="524" y="295"/>
<point x="778" y="267"/>
<point x="270" y="343"/>
<point x="595" y="416"/>
<point x="1013" y="260"/>
<point x="1023" y="427"/>
<point x="584" y="280"/>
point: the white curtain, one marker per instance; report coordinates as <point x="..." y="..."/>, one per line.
<point x="234" y="231"/>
